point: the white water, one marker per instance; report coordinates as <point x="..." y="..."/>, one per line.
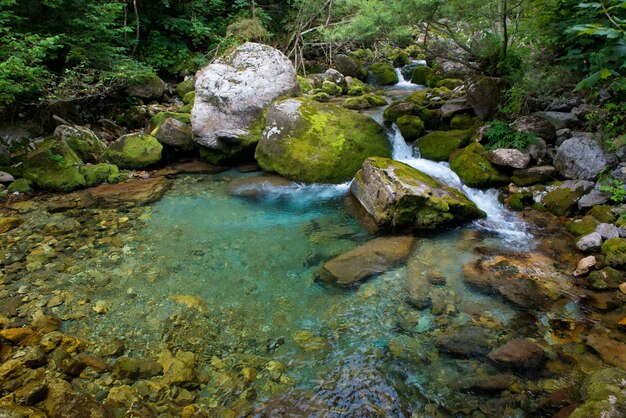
<point x="402" y="83"/>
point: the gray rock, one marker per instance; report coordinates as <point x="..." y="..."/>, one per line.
<point x="534" y="175"/>
<point x="619" y="173"/>
<point x="348" y="67"/>
<point x="607" y="231"/>
<point x="574" y="185"/>
<point x="6" y="178"/>
<point x="563" y="104"/>
<point x="454" y="106"/>
<point x="535" y="125"/>
<point x="150" y="89"/>
<point x="336" y="77"/>
<point x="582" y="157"/>
<point x="232" y="92"/>
<point x="559" y="120"/>
<point x="519" y="354"/>
<point x="593" y="198"/>
<point x="82" y="141"/>
<point x="621" y="154"/>
<point x="538" y="151"/>
<point x="622" y="232"/>
<point x="590" y="242"/>
<point x="509" y="157"/>
<point x="174" y="133"/>
<point x="485" y="96"/>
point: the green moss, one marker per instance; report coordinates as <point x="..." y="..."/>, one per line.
<point x="438" y="145"/>
<point x="331" y="88"/>
<point x="320" y="97"/>
<point x="462" y="121"/>
<point x="420" y="74"/>
<point x="519" y="200"/>
<point x="443" y="92"/>
<point x="364" y="102"/>
<point x="607" y="278"/>
<point x="383" y="73"/>
<point x="328" y="144"/>
<point x="375" y="100"/>
<point x="614" y="251"/>
<point x="357" y="87"/>
<point x="411" y="105"/>
<point x="160" y="117"/>
<point x="189" y="98"/>
<point x="305" y="84"/>
<point x="419" y="98"/>
<point x="411" y="127"/>
<point x="20" y="186"/>
<point x="362" y="55"/>
<point x="401" y="59"/>
<point x="604" y="394"/>
<point x="475" y="170"/>
<point x="53" y="165"/>
<point x="582" y="227"/>
<point x="602" y="213"/>
<point x="449" y="83"/>
<point x="185" y="87"/>
<point x="186" y="108"/>
<point x="562" y="201"/>
<point x="99" y="173"/>
<point x="134" y="151"/>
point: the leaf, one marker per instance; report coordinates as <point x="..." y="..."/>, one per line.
<point x="590" y="5"/>
<point x="606" y="73"/>
<point x="588" y="82"/>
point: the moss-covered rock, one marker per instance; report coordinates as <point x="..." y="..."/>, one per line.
<point x="410" y="105"/>
<point x="443" y="92"/>
<point x="157" y="119"/>
<point x="420" y="74"/>
<point x="357" y="87"/>
<point x="185" y="87"/>
<point x="475" y="170"/>
<point x="401" y="59"/>
<point x="605" y="279"/>
<point x="318" y="142"/>
<point x="21" y="186"/>
<point x="562" y="201"/>
<point x="602" y="213"/>
<point x="150" y="88"/>
<point x="82" y="141"/>
<point x="175" y="134"/>
<point x="438" y="145"/>
<point x="604" y="395"/>
<point x="331" y="88"/>
<point x="99" y="173"/>
<point x="364" y="102"/>
<point x="582" y="227"/>
<point x="462" y="121"/>
<point x="189" y="98"/>
<point x="449" y="83"/>
<point x="305" y="84"/>
<point x="411" y="127"/>
<point x="614" y="251"/>
<point x="519" y="200"/>
<point x="134" y="151"/>
<point x="398" y="195"/>
<point x="320" y="96"/>
<point x="135" y="117"/>
<point x="53" y="165"/>
<point x="383" y="73"/>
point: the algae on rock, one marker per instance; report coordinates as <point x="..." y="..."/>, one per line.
<point x="438" y="145"/>
<point x="475" y="170"/>
<point x="134" y="151"/>
<point x="53" y="165"/>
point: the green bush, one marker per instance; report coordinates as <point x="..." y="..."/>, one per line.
<point x="500" y="135"/>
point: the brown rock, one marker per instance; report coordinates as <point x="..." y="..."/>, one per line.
<point x="63" y="402"/>
<point x="20" y="336"/>
<point x="45" y="324"/>
<point x="179" y="369"/>
<point x="96" y="363"/>
<point x="466" y="341"/>
<point x="486" y="384"/>
<point x="28" y="395"/>
<point x="133" y="368"/>
<point x="198" y="167"/>
<point x="18" y="411"/>
<point x="417" y="285"/>
<point x="370" y="259"/>
<point x="585" y="265"/>
<point x="518" y="354"/>
<point x="611" y="351"/>
<point x="254" y="187"/>
<point x="9" y="222"/>
<point x="134" y="192"/>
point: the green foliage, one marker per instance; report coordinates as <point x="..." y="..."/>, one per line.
<point x="500" y="135"/>
<point x="610" y="122"/>
<point x="617" y="190"/>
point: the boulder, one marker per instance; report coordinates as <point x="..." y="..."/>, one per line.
<point x="559" y="120"/>
<point x="82" y="141"/>
<point x="318" y="142"/>
<point x="614" y="251"/>
<point x="349" y="67"/>
<point x="583" y="226"/>
<point x="20" y="186"/>
<point x="411" y="127"/>
<point x="535" y="125"/>
<point x="484" y="94"/>
<point x="99" y="173"/>
<point x="331" y="88"/>
<point x="53" y="165"/>
<point x="420" y="74"/>
<point x="438" y="145"/>
<point x="365" y="101"/>
<point x="603" y="391"/>
<point x="594" y="198"/>
<point x="563" y="200"/>
<point x="131" y="193"/>
<point x="160" y="117"/>
<point x="6" y="178"/>
<point x="370" y="259"/>
<point x="466" y="340"/>
<point x="174" y="133"/>
<point x="582" y="157"/>
<point x="149" y="88"/>
<point x="607" y="231"/>
<point x="509" y="157"/>
<point x="534" y="175"/>
<point x="528" y="280"/>
<point x="185" y="87"/>
<point x="134" y="151"/>
<point x="383" y="73"/>
<point x="590" y="242"/>
<point x="519" y="354"/>
<point x="454" y="107"/>
<point x="462" y="121"/>
<point x="337" y="78"/>
<point x="397" y="195"/>
<point x="231" y="94"/>
<point x="472" y="166"/>
<point x="62" y="401"/>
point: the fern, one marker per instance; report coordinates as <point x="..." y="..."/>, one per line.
<point x="500" y="135"/>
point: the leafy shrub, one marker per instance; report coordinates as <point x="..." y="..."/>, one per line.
<point x="616" y="188"/>
<point x="500" y="135"/>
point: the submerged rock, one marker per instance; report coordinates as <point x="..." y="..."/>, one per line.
<point x="611" y="351"/>
<point x="370" y="259"/>
<point x="398" y="195"/>
<point x="604" y="395"/>
<point x="318" y="142"/>
<point x="231" y="94"/>
<point x="8" y="223"/>
<point x="519" y="354"/>
<point x="466" y="341"/>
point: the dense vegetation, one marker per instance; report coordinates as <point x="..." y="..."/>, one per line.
<point x="59" y="50"/>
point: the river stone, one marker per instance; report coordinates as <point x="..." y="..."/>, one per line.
<point x="473" y="167"/>
<point x="370" y="259"/>
<point x="349" y="67"/>
<point x="484" y="94"/>
<point x="134" y="192"/>
<point x="519" y="354"/>
<point x="6" y="178"/>
<point x="582" y="157"/>
<point x="614" y="251"/>
<point x="563" y="200"/>
<point x="337" y="78"/>
<point x="149" y="88"/>
<point x="584" y="265"/>
<point x="534" y="175"/>
<point x="318" y="142"/>
<point x="528" y="280"/>
<point x="134" y="151"/>
<point x="607" y="231"/>
<point x="398" y="195"/>
<point x="82" y="141"/>
<point x="454" y="107"/>
<point x="509" y="157"/>
<point x="175" y="134"/>
<point x="254" y="187"/>
<point x="466" y="340"/>
<point x="418" y="285"/>
<point x="604" y="395"/>
<point x="8" y="223"/>
<point x="535" y="125"/>
<point x="63" y="402"/>
<point x="559" y="120"/>
<point x="53" y="165"/>
<point x="231" y="94"/>
<point x="593" y="198"/>
<point x="590" y="242"/>
<point x="611" y="351"/>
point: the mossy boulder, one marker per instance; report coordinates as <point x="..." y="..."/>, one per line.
<point x="449" y="83"/>
<point x="53" y="165"/>
<point x="582" y="227"/>
<point x="602" y="213"/>
<point x="148" y="88"/>
<point x="82" y="141"/>
<point x="158" y="119"/>
<point x="305" y="84"/>
<point x="320" y="96"/>
<point x="134" y="151"/>
<point x="318" y="142"/>
<point x="517" y="201"/>
<point x="21" y="186"/>
<point x="383" y="73"/>
<point x="410" y="105"/>
<point x="411" y="127"/>
<point x="614" y="251"/>
<point x="175" y="134"/>
<point x="462" y="121"/>
<point x="562" y="201"/>
<point x="420" y="74"/>
<point x="189" y="98"/>
<point x="185" y="87"/>
<point x="357" y="87"/>
<point x="99" y="173"/>
<point x="364" y="102"/>
<point x="401" y="59"/>
<point x="331" y="88"/>
<point x="604" y="395"/>
<point x="605" y="279"/>
<point x="438" y="145"/>
<point x="472" y="166"/>
<point x="400" y="196"/>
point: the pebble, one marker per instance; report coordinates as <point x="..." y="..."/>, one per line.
<point x="622" y="288"/>
<point x="100" y="307"/>
<point x="585" y="265"/>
